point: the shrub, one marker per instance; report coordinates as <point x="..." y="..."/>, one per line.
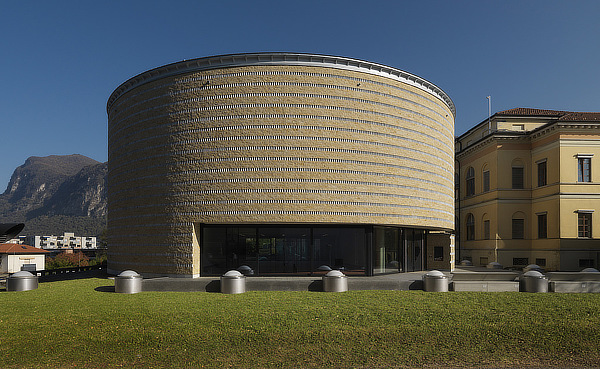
<point x="67" y="260"/>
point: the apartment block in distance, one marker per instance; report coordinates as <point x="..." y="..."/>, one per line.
<point x="528" y="190"/>
<point x="66" y="241"/>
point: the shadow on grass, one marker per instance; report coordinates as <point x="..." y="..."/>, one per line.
<point x="105" y="289"/>
<point x="73" y="275"/>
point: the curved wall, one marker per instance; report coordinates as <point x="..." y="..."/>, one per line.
<point x="271" y="138"/>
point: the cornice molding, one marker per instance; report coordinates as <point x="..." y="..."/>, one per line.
<point x="280" y="58"/>
<point x="489" y="139"/>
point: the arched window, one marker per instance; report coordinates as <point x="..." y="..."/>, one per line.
<point x="518" y="226"/>
<point x="518" y="174"/>
<point x="470" y="178"/>
<point x="470" y="227"/>
<point x="485" y="221"/>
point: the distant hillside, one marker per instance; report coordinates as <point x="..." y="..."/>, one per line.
<point x="57" y="194"/>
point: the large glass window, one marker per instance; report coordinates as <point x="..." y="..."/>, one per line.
<point x="287" y="250"/>
<point x="386" y="255"/>
<point x="284" y="251"/>
<point x="340" y="248"/>
<point x="414" y="243"/>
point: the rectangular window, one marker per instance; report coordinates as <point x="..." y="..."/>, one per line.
<point x="541" y="262"/>
<point x="486" y="229"/>
<point x="584" y="225"/>
<point x="517" y="177"/>
<point x="542" y="226"/>
<point x="520" y="261"/>
<point x="541" y="174"/>
<point x="438" y="253"/>
<point x="584" y="169"/>
<point x="518" y="228"/>
<point x="486" y="181"/>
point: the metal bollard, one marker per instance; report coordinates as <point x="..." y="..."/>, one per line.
<point x="494" y="265"/>
<point x="233" y="282"/>
<point x="435" y="281"/>
<point x="335" y="281"/>
<point x="22" y="281"/>
<point x="128" y="282"/>
<point x="533" y="281"/>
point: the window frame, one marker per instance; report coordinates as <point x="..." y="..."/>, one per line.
<point x="515" y="235"/>
<point x="542" y="173"/>
<point x="542" y="225"/>
<point x="486" y="229"/>
<point x="470" y="224"/>
<point x="584" y="168"/>
<point x="584" y="224"/>
<point x="470" y="182"/>
<point x="516" y="185"/>
<point x="486" y="180"/>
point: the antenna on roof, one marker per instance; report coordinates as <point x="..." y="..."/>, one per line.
<point x="489" y="114"/>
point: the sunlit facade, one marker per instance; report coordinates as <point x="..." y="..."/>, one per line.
<point x="277" y="163"/>
<point x="528" y="184"/>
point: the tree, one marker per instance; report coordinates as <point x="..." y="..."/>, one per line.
<point x="67" y="260"/>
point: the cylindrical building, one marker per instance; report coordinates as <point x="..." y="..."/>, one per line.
<point x="279" y="163"/>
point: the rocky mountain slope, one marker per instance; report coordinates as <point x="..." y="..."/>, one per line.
<point x="57" y="194"/>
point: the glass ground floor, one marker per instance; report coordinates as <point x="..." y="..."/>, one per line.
<point x="305" y="250"/>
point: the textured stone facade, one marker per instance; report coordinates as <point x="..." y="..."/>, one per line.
<point x="271" y="138"/>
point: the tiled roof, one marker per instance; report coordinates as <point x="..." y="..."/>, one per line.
<point x="581" y="117"/>
<point x="532" y="111"/>
<point x="15" y="248"/>
<point x="560" y="114"/>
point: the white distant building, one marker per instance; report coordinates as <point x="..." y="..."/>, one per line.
<point x="16" y="257"/>
<point x="66" y="241"/>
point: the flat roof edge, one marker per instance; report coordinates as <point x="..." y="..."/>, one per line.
<point x="279" y="58"/>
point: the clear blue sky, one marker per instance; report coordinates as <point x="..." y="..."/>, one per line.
<point x="60" y="60"/>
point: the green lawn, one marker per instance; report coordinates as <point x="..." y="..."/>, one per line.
<point x="71" y="324"/>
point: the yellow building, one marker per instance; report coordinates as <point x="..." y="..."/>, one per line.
<point x="528" y="185"/>
<point x="278" y="163"/>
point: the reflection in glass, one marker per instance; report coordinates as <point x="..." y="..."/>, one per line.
<point x="284" y="251"/>
<point x="290" y="250"/>
<point x="386" y="255"/>
<point x="339" y="248"/>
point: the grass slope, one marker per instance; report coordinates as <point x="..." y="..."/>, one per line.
<point x="71" y="324"/>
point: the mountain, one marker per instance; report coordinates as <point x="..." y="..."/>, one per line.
<point x="56" y="194"/>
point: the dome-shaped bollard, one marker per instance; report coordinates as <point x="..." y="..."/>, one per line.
<point x="494" y="265"/>
<point x="128" y="282"/>
<point x="22" y="281"/>
<point x="335" y="281"/>
<point x="466" y="263"/>
<point x="435" y="281"/>
<point x="245" y="270"/>
<point x="533" y="281"/>
<point x="233" y="282"/>
<point x="533" y="267"/>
